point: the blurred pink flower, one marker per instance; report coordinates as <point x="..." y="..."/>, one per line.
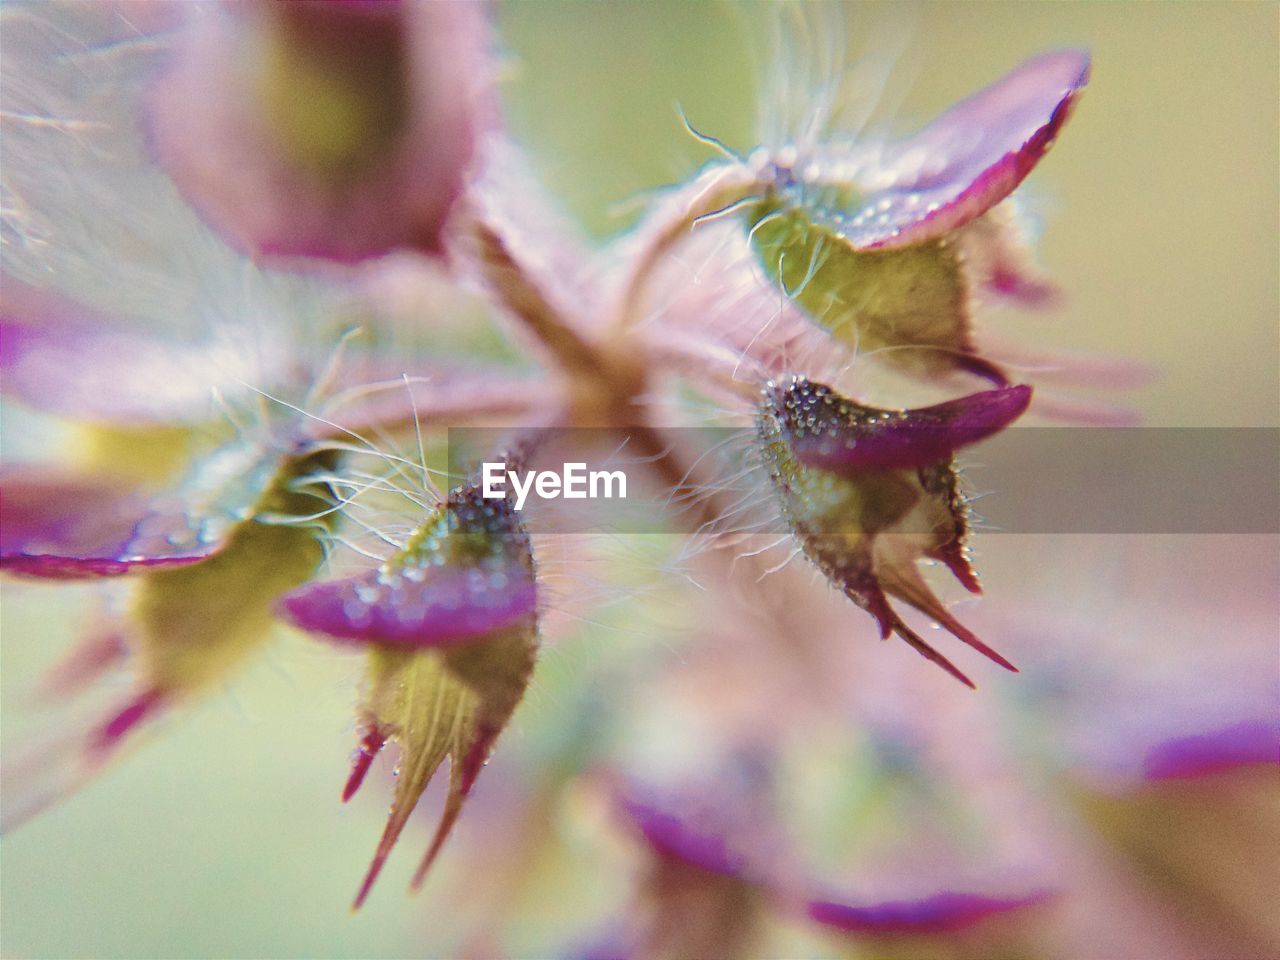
<point x="341" y="131"/>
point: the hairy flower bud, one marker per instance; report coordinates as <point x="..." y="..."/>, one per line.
<point x="451" y="622"/>
<point x="865" y="238"/>
<point x="868" y="492"/>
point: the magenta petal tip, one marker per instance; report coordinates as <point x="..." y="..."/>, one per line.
<point x="940" y="914"/>
<point x="671" y="836"/>
<point x="1242" y="744"/>
<point x="58" y="527"/>
<point x="445" y="608"/>
<point x="971" y="157"/>
<point x="845" y="437"/>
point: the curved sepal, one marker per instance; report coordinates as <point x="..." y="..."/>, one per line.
<point x="464" y="574"/>
<point x="59" y="527"/>
<point x="189" y="625"/>
<point x="884" y="246"/>
<point x="830" y="432"/>
<point x="963" y="163"/>
<point x="909" y="307"/>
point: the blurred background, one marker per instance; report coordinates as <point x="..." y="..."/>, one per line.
<point x="223" y="836"/>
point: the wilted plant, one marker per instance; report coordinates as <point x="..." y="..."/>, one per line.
<point x="340" y="153"/>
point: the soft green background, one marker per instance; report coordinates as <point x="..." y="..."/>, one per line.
<point x="223" y="835"/>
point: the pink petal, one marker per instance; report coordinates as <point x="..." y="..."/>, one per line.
<point x="210" y="128"/>
<point x="446" y="607"/>
<point x="998" y="261"/>
<point x="1060" y="407"/>
<point x="63" y="358"/>
<point x="1215" y="751"/>
<point x="670" y="836"/>
<point x="885" y="440"/>
<point x="942" y="913"/>
<point x="969" y="159"/>
<point x="58" y="527"/>
<point x="722" y="821"/>
<point x="95" y="655"/>
<point x="1062" y="368"/>
<point x="46" y="771"/>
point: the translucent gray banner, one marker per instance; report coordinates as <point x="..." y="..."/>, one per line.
<point x="1025" y="480"/>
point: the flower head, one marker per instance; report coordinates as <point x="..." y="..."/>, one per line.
<point x="253" y="461"/>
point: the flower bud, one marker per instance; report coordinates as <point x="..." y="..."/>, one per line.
<point x="868" y="492"/>
<point x="451" y="626"/>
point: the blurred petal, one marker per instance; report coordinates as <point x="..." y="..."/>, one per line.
<point x="1207" y="843"/>
<point x="940" y="914"/>
<point x="723" y="830"/>
<point x="69" y="527"/>
<point x="998" y="261"/>
<point x="1218" y="750"/>
<point x="1161" y="700"/>
<point x="331" y="130"/>
<point x="64" y="358"/>
<point x="960" y="925"/>
<point x="104" y="647"/>
<point x="1062" y="368"/>
<point x="670" y="836"/>
<point x="711" y="852"/>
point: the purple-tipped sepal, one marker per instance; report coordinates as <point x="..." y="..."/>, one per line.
<point x="466" y="574"/>
<point x="964" y="162"/>
<point x="832" y="433"/>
